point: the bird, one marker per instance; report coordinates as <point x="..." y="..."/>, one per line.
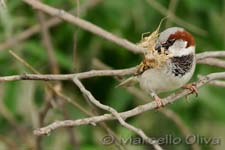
<point x="170" y="65"/>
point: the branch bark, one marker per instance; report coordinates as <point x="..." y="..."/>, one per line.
<point x="47" y="42"/>
<point x="76" y="77"/>
<point x="130" y="113"/>
<point x="85" y="25"/>
<point x="210" y="54"/>
<point x="201" y="59"/>
<point x="36" y="28"/>
<point x="218" y="83"/>
<point x="161" y="9"/>
<point x="89" y="74"/>
<point x="213" y="62"/>
<point x="115" y="114"/>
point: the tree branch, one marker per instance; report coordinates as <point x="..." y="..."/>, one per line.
<point x="130" y="113"/>
<point x="85" y="25"/>
<point x="49" y="23"/>
<point x="2" y="4"/>
<point x="115" y="114"/>
<point x="213" y="62"/>
<point x="141" y="97"/>
<point x="161" y="9"/>
<point x="210" y="54"/>
<point x="120" y="72"/>
<point x="89" y="74"/>
<point x="47" y="42"/>
<point x="217" y="83"/>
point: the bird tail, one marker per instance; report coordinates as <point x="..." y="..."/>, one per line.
<point x="128" y="82"/>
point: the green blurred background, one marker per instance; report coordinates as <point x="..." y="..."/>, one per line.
<point x="21" y="101"/>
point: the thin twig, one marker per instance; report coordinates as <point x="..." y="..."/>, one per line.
<point x="69" y="100"/>
<point x="210" y="54"/>
<point x="85" y="25"/>
<point x="41" y="117"/>
<point x="217" y="83"/>
<point x="93" y="73"/>
<point x="75" y="43"/>
<point x="160" y="8"/>
<point x="72" y="136"/>
<point x="36" y="28"/>
<point x="57" y="92"/>
<point x="140" y="95"/>
<point x="116" y="114"/>
<point x="89" y="74"/>
<point x="70" y="131"/>
<point x="213" y="62"/>
<point x="47" y="41"/>
<point x="2" y="4"/>
<point x="171" y="10"/>
<point x="22" y="61"/>
<point x="130" y="113"/>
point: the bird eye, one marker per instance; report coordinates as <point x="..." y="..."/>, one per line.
<point x="171" y="41"/>
<point x="168" y="43"/>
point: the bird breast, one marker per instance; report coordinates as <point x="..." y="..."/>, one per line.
<point x="173" y="75"/>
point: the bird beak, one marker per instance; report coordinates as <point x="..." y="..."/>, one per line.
<point x="158" y="47"/>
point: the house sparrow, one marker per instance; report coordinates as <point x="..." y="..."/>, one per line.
<point x="172" y="73"/>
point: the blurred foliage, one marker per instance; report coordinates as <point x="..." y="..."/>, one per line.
<point x="20" y="101"/>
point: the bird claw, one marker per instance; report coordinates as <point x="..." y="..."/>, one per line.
<point x="158" y="101"/>
<point x="192" y="87"/>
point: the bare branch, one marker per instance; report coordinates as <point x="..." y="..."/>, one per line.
<point x="160" y="8"/>
<point x="89" y="74"/>
<point x="142" y="96"/>
<point x="171" y="10"/>
<point x="130" y="113"/>
<point x="97" y="73"/>
<point x="119" y="41"/>
<point x="210" y="54"/>
<point x="217" y="83"/>
<point x="47" y="41"/>
<point x="116" y="114"/>
<point x="213" y="62"/>
<point x="2" y="4"/>
<point x="54" y="89"/>
<point x="36" y="28"/>
<point x="27" y="33"/>
<point x="85" y="25"/>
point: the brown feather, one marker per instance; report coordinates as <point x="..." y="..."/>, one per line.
<point x="184" y="35"/>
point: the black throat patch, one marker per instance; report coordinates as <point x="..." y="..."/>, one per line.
<point x="182" y="65"/>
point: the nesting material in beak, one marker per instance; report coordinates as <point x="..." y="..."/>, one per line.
<point x="155" y="55"/>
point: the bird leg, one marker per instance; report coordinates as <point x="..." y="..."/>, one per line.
<point x="158" y="100"/>
<point x="192" y="87"/>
